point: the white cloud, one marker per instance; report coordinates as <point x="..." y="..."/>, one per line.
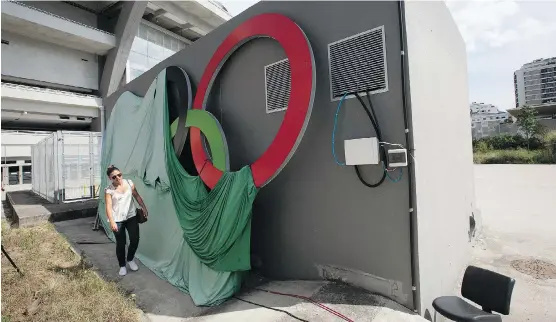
<point x="482" y="23"/>
<point x="500" y="37"/>
<point x="485" y="24"/>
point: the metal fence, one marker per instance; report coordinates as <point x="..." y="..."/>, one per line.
<point x="66" y="166"/>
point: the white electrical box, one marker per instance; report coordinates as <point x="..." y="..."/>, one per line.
<point x="361" y="151"/>
<point x="397" y="158"/>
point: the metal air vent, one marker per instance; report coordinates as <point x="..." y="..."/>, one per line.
<point x="277" y="85"/>
<point x="358" y="64"/>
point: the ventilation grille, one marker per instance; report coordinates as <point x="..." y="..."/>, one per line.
<point x="277" y="85"/>
<point x="358" y="64"/>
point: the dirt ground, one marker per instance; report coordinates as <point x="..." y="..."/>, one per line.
<point x="518" y="238"/>
<point x="57" y="285"/>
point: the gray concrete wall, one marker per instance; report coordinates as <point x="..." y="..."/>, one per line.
<point x="315" y="213"/>
<point x="37" y="60"/>
<point x="549" y="124"/>
<point x="508" y="129"/>
<point x="444" y="184"/>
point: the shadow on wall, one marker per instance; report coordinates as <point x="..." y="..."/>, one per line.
<point x="428" y="315"/>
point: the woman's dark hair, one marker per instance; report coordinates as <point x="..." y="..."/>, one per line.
<point x="111" y="169"/>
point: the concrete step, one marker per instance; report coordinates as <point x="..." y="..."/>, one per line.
<point x="6" y="211"/>
<point x="28" y="209"/>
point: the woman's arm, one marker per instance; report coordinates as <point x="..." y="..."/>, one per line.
<point x="139" y="200"/>
<point x="108" y="201"/>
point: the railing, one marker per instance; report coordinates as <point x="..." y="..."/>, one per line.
<point x="25" y="132"/>
<point x="57" y="16"/>
<point x="46" y="90"/>
<point x="66" y="166"/>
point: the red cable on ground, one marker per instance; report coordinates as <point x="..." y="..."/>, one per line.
<point x="345" y="318"/>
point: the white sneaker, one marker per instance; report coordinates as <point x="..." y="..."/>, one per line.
<point x="123" y="271"/>
<point x="133" y="266"/>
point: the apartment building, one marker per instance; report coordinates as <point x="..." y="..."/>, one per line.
<point x="535" y="83"/>
<point x="487" y="120"/>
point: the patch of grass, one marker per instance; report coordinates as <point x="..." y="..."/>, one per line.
<point x="57" y="285"/>
<point x="550" y="142"/>
<point x="518" y="156"/>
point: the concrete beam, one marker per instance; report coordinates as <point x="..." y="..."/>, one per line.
<point x="28" y="21"/>
<point x="126" y="29"/>
<point x="181" y="27"/>
<point x="178" y="9"/>
<point x="158" y="13"/>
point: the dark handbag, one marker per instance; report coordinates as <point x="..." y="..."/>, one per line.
<point x="139" y="212"/>
<point x="140" y="215"/>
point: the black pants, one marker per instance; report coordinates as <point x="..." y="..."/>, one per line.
<point x="132" y="227"/>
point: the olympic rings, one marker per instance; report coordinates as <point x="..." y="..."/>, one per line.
<point x="211" y="128"/>
<point x="272" y="161"/>
<point x="302" y="66"/>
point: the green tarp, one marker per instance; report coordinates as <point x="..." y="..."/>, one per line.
<point x="196" y="239"/>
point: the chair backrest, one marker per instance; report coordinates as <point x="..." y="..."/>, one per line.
<point x="488" y="289"/>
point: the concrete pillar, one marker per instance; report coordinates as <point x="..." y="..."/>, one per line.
<point x="20" y="174"/>
<point x="97" y="125"/>
<point x="5" y="181"/>
<point x="125" y="31"/>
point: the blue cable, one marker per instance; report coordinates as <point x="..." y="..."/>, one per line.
<point x="389" y="177"/>
<point x="334" y="131"/>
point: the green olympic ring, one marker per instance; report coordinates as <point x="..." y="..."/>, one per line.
<point x="211" y="128"/>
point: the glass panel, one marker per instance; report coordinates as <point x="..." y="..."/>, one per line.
<point x="168" y="53"/>
<point x="155" y="51"/>
<point x="167" y="42"/>
<point x="138" y="61"/>
<point x="158" y="36"/>
<point x="153" y="62"/>
<point x="175" y="45"/>
<point x="134" y="73"/>
<point x="151" y="35"/>
<point x="139" y="46"/>
<point x="143" y="31"/>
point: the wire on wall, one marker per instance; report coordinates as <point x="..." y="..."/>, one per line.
<point x="400" y="175"/>
<point x="334" y="131"/>
<point x="369" y="110"/>
<point x="371" y="114"/>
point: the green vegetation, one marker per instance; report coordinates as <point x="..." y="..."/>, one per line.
<point x="550" y="141"/>
<point x="515" y="149"/>
<point x="58" y="284"/>
<point x="507" y="142"/>
<point x="528" y="123"/>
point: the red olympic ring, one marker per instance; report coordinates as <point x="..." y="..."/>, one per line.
<point x="302" y="65"/>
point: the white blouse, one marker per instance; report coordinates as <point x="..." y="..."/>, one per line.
<point x="123" y="206"/>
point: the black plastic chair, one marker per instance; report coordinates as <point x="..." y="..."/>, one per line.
<point x="490" y="290"/>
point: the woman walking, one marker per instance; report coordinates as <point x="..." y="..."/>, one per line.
<point x="121" y="212"/>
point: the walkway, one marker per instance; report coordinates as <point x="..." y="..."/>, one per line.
<point x="518" y="210"/>
<point x="164" y="303"/>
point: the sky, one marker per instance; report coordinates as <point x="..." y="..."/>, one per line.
<point x="500" y="35"/>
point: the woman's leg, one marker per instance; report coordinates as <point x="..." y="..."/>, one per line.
<point x="120" y="244"/>
<point x="133" y="230"/>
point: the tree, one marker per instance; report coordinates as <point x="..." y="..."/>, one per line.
<point x="528" y="123"/>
